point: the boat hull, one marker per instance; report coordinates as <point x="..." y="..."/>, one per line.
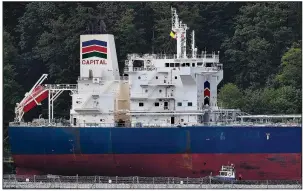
<point x="174" y="152"/>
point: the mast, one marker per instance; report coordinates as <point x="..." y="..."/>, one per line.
<point x="180" y="31"/>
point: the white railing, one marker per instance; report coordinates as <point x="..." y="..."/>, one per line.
<point x="116" y="182"/>
<point x="170" y="56"/>
<point x="61" y="86"/>
<point x="132" y="125"/>
<point x="135" y="69"/>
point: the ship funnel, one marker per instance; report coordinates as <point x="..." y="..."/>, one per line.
<point x="98" y="58"/>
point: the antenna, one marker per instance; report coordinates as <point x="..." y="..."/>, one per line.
<point x="193" y="49"/>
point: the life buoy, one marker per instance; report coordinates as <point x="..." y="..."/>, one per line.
<point x="229" y="174"/>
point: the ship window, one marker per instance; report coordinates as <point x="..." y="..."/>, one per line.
<point x="164" y="81"/>
<point x="166" y="64"/>
<point x="138" y="63"/>
<point x="139" y="77"/>
<point x="156" y="77"/>
<point x="193" y="64"/>
<point x="157" y="104"/>
<point x="160" y="91"/>
<point x="172" y="64"/>
<point x="187" y="64"/>
<point x="199" y="64"/>
<point x="176" y="77"/>
<point x="146" y="91"/>
<point x="177" y="64"/>
<point x="141" y="104"/>
<point x="183" y="65"/>
<point x="189" y="104"/>
<point x="182" y="120"/>
<point x="179" y="103"/>
<point x="208" y="64"/>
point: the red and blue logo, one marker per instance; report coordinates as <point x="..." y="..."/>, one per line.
<point x="206" y="92"/>
<point x="94" y="48"/>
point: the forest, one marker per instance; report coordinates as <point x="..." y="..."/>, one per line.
<point x="259" y="43"/>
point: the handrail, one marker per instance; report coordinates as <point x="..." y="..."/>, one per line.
<point x="113" y="125"/>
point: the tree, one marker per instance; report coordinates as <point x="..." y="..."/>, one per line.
<point x="230" y="96"/>
<point x="11" y="88"/>
<point x="291" y="73"/>
<point x="261" y="36"/>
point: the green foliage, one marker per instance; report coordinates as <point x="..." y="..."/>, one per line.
<point x="261" y="36"/>
<point x="11" y="87"/>
<point x="291" y="74"/>
<point x="230" y="96"/>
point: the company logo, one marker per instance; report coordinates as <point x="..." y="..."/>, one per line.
<point x="94" y="48"/>
<point x="206" y="92"/>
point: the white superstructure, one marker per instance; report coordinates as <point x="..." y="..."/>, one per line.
<point x="173" y="89"/>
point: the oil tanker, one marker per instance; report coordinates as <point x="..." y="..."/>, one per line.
<point x="160" y="118"/>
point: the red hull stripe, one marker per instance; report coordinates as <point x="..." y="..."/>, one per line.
<point x="94" y="48"/>
<point x="249" y="166"/>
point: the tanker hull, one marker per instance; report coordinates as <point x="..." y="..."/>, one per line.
<point x="257" y="152"/>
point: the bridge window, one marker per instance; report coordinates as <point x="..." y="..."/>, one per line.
<point x="187" y="64"/>
<point x="141" y="104"/>
<point x="199" y="64"/>
<point x="193" y="64"/>
<point x="157" y="104"/>
<point x="179" y="103"/>
<point x="183" y="65"/>
<point x="172" y="64"/>
<point x="177" y="64"/>
<point x="189" y="104"/>
<point x="166" y="64"/>
<point x="209" y="64"/>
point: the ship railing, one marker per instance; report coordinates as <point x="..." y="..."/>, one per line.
<point x="218" y="67"/>
<point x="136" y="125"/>
<point x="172" y="56"/>
<point x="61" y="86"/>
<point x="132" y="182"/>
<point x="102" y="79"/>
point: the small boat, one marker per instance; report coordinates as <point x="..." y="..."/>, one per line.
<point x="226" y="174"/>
